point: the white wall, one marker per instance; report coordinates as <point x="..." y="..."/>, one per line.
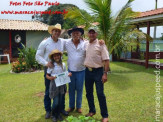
<point x="33" y="38"/>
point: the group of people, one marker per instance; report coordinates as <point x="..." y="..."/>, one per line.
<point x="87" y="61"/>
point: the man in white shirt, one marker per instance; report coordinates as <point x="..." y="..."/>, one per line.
<point x="76" y="54"/>
<point x="75" y="48"/>
<point x="44" y="49"/>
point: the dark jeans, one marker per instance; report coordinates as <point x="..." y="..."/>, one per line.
<point x="57" y="105"/>
<point x="47" y="100"/>
<point x="92" y="77"/>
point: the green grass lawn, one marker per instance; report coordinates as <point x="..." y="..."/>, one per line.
<point x="154" y="60"/>
<point x="129" y="92"/>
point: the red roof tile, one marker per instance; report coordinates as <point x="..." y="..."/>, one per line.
<point x="151" y="13"/>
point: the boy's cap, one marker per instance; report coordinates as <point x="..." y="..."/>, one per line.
<point x="93" y="28"/>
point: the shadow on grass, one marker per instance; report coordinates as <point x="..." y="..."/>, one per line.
<point x="120" y="81"/>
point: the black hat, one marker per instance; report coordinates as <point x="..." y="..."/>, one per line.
<point x="76" y="29"/>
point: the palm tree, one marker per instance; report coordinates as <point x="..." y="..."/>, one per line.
<point x="155" y="4"/>
<point x="116" y="30"/>
<point x="155" y="27"/>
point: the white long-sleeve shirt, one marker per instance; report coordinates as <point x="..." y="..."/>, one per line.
<point x="45" y="48"/>
<point x="76" y="56"/>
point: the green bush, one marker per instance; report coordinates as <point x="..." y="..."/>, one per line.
<point x="141" y="55"/>
<point x="26" y="61"/>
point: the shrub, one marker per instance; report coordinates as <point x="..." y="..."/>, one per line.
<point x="26" y="61"/>
<point x="19" y="67"/>
<point x="141" y="55"/>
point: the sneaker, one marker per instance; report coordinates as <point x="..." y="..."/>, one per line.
<point x="47" y="115"/>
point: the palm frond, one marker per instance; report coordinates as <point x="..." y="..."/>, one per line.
<point x="102" y="9"/>
<point x="131" y="37"/>
<point x="75" y="13"/>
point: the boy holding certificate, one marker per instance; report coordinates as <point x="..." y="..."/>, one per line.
<point x="56" y="92"/>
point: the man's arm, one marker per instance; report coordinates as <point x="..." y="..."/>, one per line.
<point x="105" y="58"/>
<point x="64" y="43"/>
<point x="106" y="69"/>
<point x="50" y="77"/>
<point x="40" y="54"/>
<point x="106" y="66"/>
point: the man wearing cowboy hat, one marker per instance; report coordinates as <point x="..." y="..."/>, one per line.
<point x="44" y="49"/>
<point x="76" y="54"/>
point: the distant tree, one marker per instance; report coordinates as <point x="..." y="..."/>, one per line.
<point x="116" y="30"/>
<point x="58" y="18"/>
<point x="161" y="36"/>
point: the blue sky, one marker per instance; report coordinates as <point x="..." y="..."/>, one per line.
<point x="137" y="5"/>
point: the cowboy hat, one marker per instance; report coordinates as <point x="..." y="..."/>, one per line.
<point x="52" y="27"/>
<point x="53" y="53"/>
<point x="76" y="29"/>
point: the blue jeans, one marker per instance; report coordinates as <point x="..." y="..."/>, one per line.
<point x="57" y="105"/>
<point x="92" y="77"/>
<point x="76" y="85"/>
<point x="47" y="100"/>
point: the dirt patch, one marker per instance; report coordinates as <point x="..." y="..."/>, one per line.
<point x="40" y="94"/>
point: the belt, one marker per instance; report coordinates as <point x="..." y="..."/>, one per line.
<point x="93" y="69"/>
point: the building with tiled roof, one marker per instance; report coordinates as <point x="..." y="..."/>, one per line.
<point x="149" y="19"/>
<point x="6" y="24"/>
<point x="15" y="32"/>
<point x="151" y="13"/>
<point x="154" y="16"/>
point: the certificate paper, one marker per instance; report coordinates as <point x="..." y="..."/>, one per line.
<point x="62" y="79"/>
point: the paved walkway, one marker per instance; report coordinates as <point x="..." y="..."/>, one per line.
<point x="142" y="62"/>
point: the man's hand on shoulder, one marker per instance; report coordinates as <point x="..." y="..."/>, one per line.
<point x="45" y="38"/>
<point x="50" y="65"/>
<point x="101" y="42"/>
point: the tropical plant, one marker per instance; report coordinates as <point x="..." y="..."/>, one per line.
<point x="26" y="60"/>
<point x="80" y="16"/>
<point x="117" y="30"/>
